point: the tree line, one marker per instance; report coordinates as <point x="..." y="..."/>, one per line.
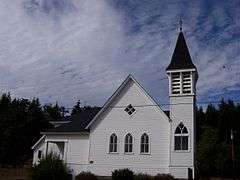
<point x="22" y="120"/>
<point x="218" y="140"/>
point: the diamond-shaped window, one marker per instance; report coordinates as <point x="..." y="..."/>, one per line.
<point x="129" y="109"/>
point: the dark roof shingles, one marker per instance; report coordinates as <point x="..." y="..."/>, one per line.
<point x="181" y="58"/>
<point x="78" y="122"/>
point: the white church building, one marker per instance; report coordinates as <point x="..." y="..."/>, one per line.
<point x="131" y="130"/>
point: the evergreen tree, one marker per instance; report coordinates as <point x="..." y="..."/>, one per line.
<point x="54" y="113"/>
<point x="77" y="108"/>
<point x="21" y="121"/>
<point x="200" y="120"/>
<point x="214" y="146"/>
<point x="211" y="118"/>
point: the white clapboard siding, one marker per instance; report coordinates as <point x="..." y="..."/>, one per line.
<point x="76" y="148"/>
<point x="147" y="119"/>
<point x="182" y="110"/>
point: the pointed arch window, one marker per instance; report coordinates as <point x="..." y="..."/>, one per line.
<point x="144" y="149"/>
<point x="181" y="137"/>
<point x="128" y="146"/>
<point x="113" y="143"/>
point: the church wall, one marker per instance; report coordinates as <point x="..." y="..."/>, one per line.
<point x="147" y="119"/>
<point x="182" y="110"/>
<point x="76" y="149"/>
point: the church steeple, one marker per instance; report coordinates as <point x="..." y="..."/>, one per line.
<point x="183" y="77"/>
<point x="181" y="58"/>
<point x="181" y="70"/>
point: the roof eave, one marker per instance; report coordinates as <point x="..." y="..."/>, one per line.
<point x="65" y="133"/>
<point x="181" y="70"/>
<point x="35" y="145"/>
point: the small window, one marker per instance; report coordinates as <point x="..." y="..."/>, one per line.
<point x="39" y="154"/>
<point x="181" y="138"/>
<point x="129" y="109"/>
<point x="113" y="144"/>
<point x="144" y="144"/>
<point x="128" y="148"/>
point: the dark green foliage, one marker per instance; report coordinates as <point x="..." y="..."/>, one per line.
<point x="49" y="168"/>
<point x="21" y="121"/>
<point x="142" y="176"/>
<point x="200" y="120"/>
<point x="77" y="108"/>
<point x="163" y="177"/>
<point x="214" y="145"/>
<point x="54" y="113"/>
<point x="86" y="176"/>
<point x="122" y="174"/>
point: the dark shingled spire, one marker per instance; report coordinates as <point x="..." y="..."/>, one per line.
<point x="181" y="58"/>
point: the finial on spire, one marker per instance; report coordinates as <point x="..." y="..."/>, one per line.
<point x="180" y="24"/>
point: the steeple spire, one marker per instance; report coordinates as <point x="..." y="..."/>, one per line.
<point x="181" y="58"/>
<point x="180" y="24"/>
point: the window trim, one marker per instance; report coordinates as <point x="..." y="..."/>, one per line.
<point x="149" y="145"/>
<point x="128" y="153"/>
<point x="109" y="143"/>
<point x="181" y="135"/>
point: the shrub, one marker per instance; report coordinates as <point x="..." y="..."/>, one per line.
<point x="51" y="168"/>
<point x="122" y="174"/>
<point x="163" y="177"/>
<point x="86" y="176"/>
<point x="142" y="176"/>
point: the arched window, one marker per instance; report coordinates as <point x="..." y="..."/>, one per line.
<point x="144" y="144"/>
<point x="113" y="143"/>
<point x="128" y="148"/>
<point x="181" y="138"/>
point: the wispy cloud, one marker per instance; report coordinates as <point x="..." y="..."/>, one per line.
<point x="65" y="50"/>
<point x="64" y="60"/>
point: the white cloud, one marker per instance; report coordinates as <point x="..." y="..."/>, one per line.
<point x="65" y="50"/>
<point x="64" y="60"/>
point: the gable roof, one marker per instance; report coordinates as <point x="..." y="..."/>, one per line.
<point x="80" y="123"/>
<point x="77" y="122"/>
<point x="181" y="58"/>
<point x="117" y="92"/>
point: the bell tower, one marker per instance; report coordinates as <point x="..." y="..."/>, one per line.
<point x="183" y="76"/>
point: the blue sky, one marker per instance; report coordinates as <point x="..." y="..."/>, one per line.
<point x="65" y="50"/>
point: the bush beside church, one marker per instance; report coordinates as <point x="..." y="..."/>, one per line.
<point x="51" y="168"/>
